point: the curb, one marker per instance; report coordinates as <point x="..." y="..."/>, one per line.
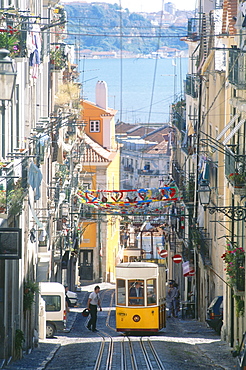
<point x="49" y="358"/>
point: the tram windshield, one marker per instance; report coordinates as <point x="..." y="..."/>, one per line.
<point x="136" y="292"/>
<point x="151" y="292"/>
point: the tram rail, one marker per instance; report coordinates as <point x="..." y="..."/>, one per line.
<point x="134" y="353"/>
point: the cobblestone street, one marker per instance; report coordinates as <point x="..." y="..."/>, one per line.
<point x="183" y="344"/>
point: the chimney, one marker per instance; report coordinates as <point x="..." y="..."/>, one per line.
<point x="102" y="94"/>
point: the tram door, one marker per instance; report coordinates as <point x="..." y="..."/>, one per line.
<point x="86" y="265"/>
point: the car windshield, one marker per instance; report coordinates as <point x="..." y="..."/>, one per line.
<point x="213" y="302"/>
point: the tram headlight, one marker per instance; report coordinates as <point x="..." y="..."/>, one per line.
<point x="136" y="318"/>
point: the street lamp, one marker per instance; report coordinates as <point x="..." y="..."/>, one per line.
<point x="204" y="192"/>
<point x="7" y="75"/>
<point x="235" y="213"/>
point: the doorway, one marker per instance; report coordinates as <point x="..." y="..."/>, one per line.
<point x="86" y="264"/>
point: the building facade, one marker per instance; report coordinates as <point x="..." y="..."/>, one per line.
<point x="212" y="151"/>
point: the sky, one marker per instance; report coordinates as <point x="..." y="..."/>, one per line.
<point x="150" y="5"/>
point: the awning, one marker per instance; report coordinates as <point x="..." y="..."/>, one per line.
<point x="222" y="133"/>
<point x="207" y="62"/>
<point x="191" y="130"/>
<point x="232" y="133"/>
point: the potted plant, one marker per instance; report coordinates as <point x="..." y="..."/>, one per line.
<point x="234" y="257"/>
<point x="19" y="340"/>
<point x="30" y="289"/>
<point x="9" y="40"/>
<point x="15" y="200"/>
<point x="3" y="201"/>
<point x="57" y="59"/>
<point x="237" y="179"/>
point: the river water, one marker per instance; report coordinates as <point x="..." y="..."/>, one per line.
<point x="141" y="90"/>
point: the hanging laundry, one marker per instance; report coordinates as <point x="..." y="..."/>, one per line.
<point x="34" y="44"/>
<point x="70" y="53"/>
<point x="34" y="179"/>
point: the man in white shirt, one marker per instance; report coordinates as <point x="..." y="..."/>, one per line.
<point x="93" y="302"/>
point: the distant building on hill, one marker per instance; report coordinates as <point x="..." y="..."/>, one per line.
<point x="170" y="8"/>
<point x="145" y="155"/>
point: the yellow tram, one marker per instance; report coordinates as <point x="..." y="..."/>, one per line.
<point x="140" y="297"/>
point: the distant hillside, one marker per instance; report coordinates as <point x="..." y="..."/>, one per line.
<point x="97" y="27"/>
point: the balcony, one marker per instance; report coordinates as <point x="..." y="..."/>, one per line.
<point x="235" y="172"/>
<point x="148" y="172"/>
<point x="129" y="169"/>
<point x="178" y="175"/>
<point x="189" y="189"/>
<point x="179" y="122"/>
<point x="192" y="85"/>
<point x="237" y="68"/>
<point x="58" y="59"/>
<point x="193" y="29"/>
<point x="12" y="188"/>
<point x="202" y="242"/>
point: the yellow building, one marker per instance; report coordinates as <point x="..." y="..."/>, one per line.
<point x="99" y="245"/>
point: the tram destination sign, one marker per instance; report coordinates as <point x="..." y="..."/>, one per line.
<point x="10" y="243"/>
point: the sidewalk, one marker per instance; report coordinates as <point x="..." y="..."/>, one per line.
<point x="217" y="351"/>
<point x="43" y="354"/>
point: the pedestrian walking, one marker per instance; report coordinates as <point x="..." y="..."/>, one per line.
<point x="93" y="302"/>
<point x="67" y="299"/>
<point x="177" y="299"/>
<point x="172" y="299"/>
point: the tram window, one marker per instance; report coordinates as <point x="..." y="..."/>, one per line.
<point x="121" y="292"/>
<point x="151" y="292"/>
<point x="136" y="292"/>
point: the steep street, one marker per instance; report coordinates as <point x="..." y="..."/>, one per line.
<point x="183" y="344"/>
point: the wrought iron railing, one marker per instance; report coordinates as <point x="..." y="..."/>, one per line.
<point x="148" y="172"/>
<point x="189" y="189"/>
<point x="129" y="169"/>
<point x="234" y="163"/>
<point x="193" y="29"/>
<point x="178" y="174"/>
<point x="237" y="68"/>
<point x="192" y="85"/>
<point x="13" y="186"/>
<point x="202" y="242"/>
<point x="179" y="122"/>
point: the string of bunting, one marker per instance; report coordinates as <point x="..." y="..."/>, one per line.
<point x="129" y="201"/>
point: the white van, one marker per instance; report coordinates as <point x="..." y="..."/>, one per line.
<point x="55" y="306"/>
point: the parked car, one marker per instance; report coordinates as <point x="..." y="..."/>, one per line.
<point x="215" y="314"/>
<point x="73" y="298"/>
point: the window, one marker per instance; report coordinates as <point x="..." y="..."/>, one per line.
<point x="121" y="292"/>
<point x="94" y="126"/>
<point x="151" y="292"/>
<point x="136" y="292"/>
<point x="52" y="302"/>
<point x="147" y="166"/>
